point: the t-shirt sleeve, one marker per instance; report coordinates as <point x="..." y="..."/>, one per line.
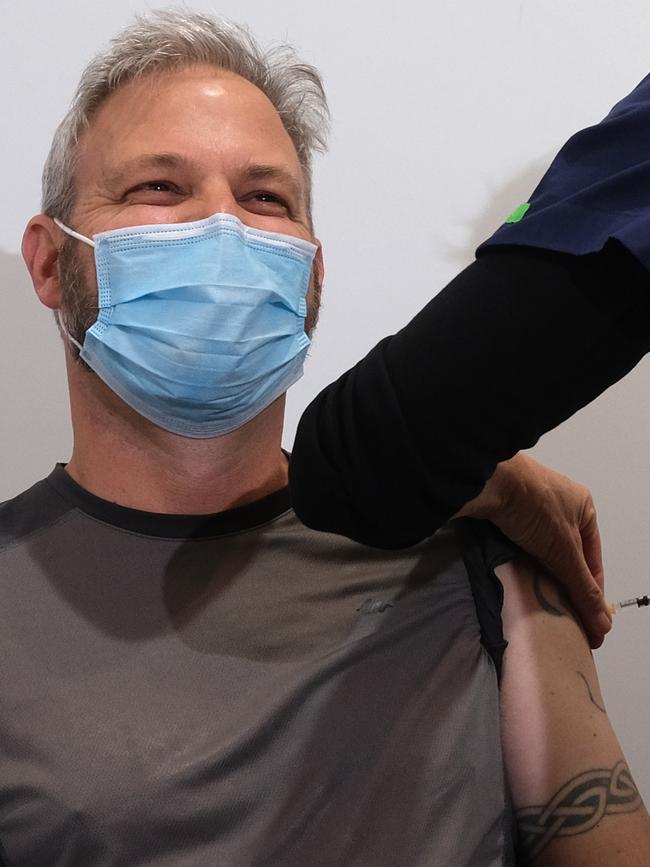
<point x="597" y="188"/>
<point x="513" y="346"/>
<point x="483" y="548"/>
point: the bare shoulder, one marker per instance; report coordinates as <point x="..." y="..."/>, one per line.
<point x="574" y="795"/>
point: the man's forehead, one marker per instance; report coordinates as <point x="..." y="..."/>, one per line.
<point x="187" y="117"/>
<point x="195" y="95"/>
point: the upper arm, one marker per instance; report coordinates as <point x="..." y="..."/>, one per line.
<point x="575" y="800"/>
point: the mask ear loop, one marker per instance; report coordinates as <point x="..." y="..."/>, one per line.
<point x="79" y="237"/>
<point x="72" y="233"/>
<point x="69" y="336"/>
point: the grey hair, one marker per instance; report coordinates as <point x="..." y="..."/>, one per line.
<point x="168" y="40"/>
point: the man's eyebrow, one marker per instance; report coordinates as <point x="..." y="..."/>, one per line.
<point x="146" y="161"/>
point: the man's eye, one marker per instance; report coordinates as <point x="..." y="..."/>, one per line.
<point x="268" y="203"/>
<point x="155" y="187"/>
<point x="269" y="197"/>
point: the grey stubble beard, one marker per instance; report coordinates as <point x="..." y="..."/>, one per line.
<point x="78" y="310"/>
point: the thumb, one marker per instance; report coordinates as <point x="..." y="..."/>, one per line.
<point x="592" y="550"/>
<point x="574" y="571"/>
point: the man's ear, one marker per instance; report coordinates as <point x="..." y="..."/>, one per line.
<point x="40" y="248"/>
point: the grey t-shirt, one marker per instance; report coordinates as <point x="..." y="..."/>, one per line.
<point x="236" y="690"/>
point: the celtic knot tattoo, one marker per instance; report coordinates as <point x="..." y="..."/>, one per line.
<point x="578" y="806"/>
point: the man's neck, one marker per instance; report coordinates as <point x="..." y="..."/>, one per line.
<point x="121" y="457"/>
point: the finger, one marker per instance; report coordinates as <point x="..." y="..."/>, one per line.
<point x="592" y="550"/>
<point x="595" y="641"/>
<point x="572" y="570"/>
<point x="591" y="608"/>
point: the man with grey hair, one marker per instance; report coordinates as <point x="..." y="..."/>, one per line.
<point x="191" y="676"/>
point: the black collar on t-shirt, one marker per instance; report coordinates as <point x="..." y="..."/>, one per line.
<point x="169" y="526"/>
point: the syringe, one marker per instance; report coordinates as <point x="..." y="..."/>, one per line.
<point x="626" y="603"/>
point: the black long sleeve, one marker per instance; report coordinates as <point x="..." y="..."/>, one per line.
<point x="514" y="345"/>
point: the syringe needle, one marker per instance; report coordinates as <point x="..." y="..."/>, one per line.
<point x="639" y="601"/>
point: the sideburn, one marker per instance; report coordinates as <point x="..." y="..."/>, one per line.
<point x="313" y="305"/>
<point x="78" y="310"/>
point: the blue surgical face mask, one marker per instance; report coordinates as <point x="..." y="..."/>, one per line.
<point x="200" y="325"/>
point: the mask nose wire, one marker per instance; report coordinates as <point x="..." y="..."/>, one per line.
<point x="72" y="233"/>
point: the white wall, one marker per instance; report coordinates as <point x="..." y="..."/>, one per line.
<point x="445" y="115"/>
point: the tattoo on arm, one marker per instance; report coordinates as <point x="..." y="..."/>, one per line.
<point x="591" y="695"/>
<point x="577" y="807"/>
<point x="561" y="607"/>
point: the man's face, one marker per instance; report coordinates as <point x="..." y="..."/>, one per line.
<point x="176" y="148"/>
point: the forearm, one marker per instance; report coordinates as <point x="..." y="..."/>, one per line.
<point x="402" y="441"/>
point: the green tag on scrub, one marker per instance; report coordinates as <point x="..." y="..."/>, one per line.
<point x="518" y="213"/>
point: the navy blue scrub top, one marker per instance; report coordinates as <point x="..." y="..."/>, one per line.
<point x="597" y="187"/>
